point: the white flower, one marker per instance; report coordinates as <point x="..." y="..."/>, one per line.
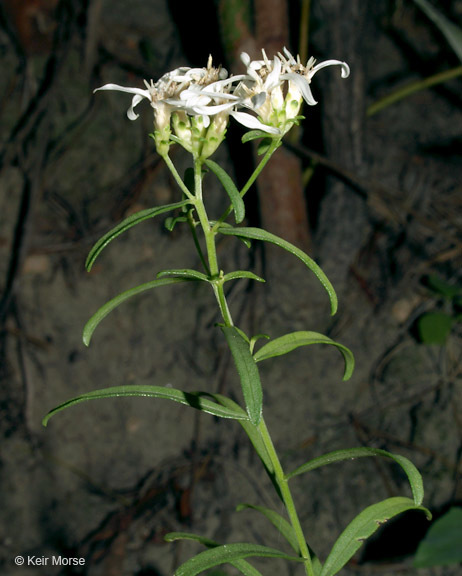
<point x="274" y="90"/>
<point x="194" y="96"/>
<point x="299" y="76"/>
<point x="260" y="91"/>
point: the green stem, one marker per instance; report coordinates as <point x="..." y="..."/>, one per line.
<point x="177" y="177"/>
<point x="192" y="226"/>
<point x="272" y="148"/>
<point x="286" y="494"/>
<point x="413" y="87"/>
<point x="209" y="234"/>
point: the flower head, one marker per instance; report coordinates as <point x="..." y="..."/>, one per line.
<point x="275" y="89"/>
<point x="192" y="105"/>
<point x="192" y="96"/>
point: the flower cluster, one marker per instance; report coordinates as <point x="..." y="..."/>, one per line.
<point x="192" y="106"/>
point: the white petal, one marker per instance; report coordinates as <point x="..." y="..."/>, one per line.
<point x="130" y="112"/>
<point x="139" y="91"/>
<point x="344" y="65"/>
<point x="289" y="56"/>
<point x="273" y="78"/>
<point x="303" y="85"/>
<point x="250" y="121"/>
<point x="211" y="110"/>
<point x="245" y="59"/>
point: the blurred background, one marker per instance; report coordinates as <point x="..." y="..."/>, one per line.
<point x="370" y="185"/>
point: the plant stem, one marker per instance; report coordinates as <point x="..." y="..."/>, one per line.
<point x="272" y="148"/>
<point x="286" y="494"/>
<point x="209" y="234"/>
<point x="177" y="177"/>
<point x="192" y="226"/>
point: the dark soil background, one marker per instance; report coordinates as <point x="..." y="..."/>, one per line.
<point x="375" y="198"/>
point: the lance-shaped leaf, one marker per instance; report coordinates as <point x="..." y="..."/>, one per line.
<point x="242" y="274"/>
<point x="254" y="435"/>
<point x="259" y="234"/>
<point x="200" y="400"/>
<point x="362" y="527"/>
<point x="253" y="135"/>
<point x="248" y="372"/>
<point x="91" y="325"/>
<point x="289" y="342"/>
<point x="413" y="475"/>
<point x="236" y="201"/>
<point x="242" y="565"/>
<point x="126" y="225"/>
<point x="286" y="529"/>
<point x="228" y="553"/>
<point x="278" y="521"/>
<point x="184" y="273"/>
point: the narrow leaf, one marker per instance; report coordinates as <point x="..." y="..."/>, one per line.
<point x="228" y="553"/>
<point x="248" y="372"/>
<point x="183" y="273"/>
<point x="242" y="565"/>
<point x="259" y="234"/>
<point x="252" y="432"/>
<point x="287" y="531"/>
<point x="126" y="225"/>
<point x="233" y="193"/>
<point x="255" y="339"/>
<point x="207" y="542"/>
<point x="199" y="400"/>
<point x="451" y="32"/>
<point x="362" y="527"/>
<point x="413" y="475"/>
<point x="242" y="274"/>
<point x="253" y="135"/>
<point x="289" y="342"/>
<point x="91" y="325"/>
<point x="278" y="521"/>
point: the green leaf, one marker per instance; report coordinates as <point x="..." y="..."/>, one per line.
<point x="248" y="372"/>
<point x="362" y="527"/>
<point x="278" y="521"/>
<point x="252" y="432"/>
<point x="126" y="225"/>
<point x="442" y="544"/>
<point x="242" y="274"/>
<point x="242" y="565"/>
<point x="199" y="400"/>
<point x="91" y="325"/>
<point x="183" y="273"/>
<point x="413" y="475"/>
<point x="434" y="328"/>
<point x="451" y="32"/>
<point x="264" y="146"/>
<point x="171" y="222"/>
<point x="441" y="287"/>
<point x="289" y="342"/>
<point x="259" y="234"/>
<point x="233" y="193"/>
<point x="228" y="553"/>
<point x="253" y="135"/>
<point x="255" y="339"/>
